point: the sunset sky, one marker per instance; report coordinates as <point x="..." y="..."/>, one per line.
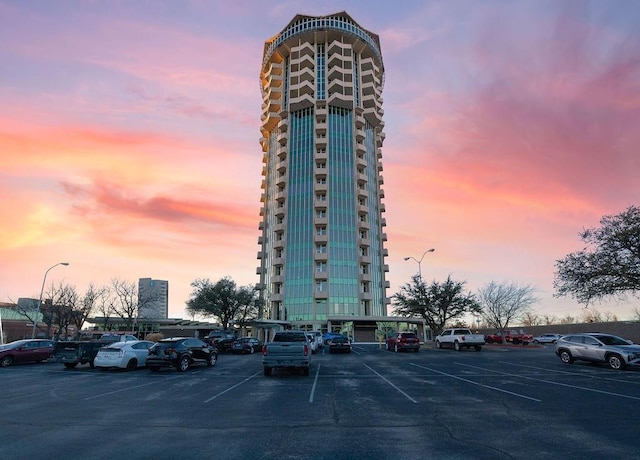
<point x="129" y="137"/>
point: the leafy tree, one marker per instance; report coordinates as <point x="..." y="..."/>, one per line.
<point x="437" y="303"/>
<point x="609" y="265"/>
<point x="504" y="302"/>
<point x="223" y="300"/>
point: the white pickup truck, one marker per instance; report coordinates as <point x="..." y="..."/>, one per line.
<point x="459" y="338"/>
<point x="288" y="349"/>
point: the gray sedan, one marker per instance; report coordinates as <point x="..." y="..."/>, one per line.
<point x="617" y="352"/>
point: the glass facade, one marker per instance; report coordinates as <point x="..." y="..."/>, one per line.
<point x="322" y="253"/>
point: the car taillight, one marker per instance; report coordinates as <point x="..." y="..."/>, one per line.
<point x="264" y="350"/>
<point x="306" y="350"/>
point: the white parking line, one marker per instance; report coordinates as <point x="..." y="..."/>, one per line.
<point x="577" y="387"/>
<point x="315" y="381"/>
<point x="232" y="387"/>
<point x="478" y="384"/>
<point x="398" y="389"/>
<point x="124" y="389"/>
<point x="591" y="375"/>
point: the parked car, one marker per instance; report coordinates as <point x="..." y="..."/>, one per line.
<point x="25" y="351"/>
<point x="222" y="340"/>
<point x="312" y="341"/>
<point x="546" y="338"/>
<point x="327" y="336"/>
<point x="181" y="353"/>
<point x="493" y="338"/>
<point x="459" y="338"/>
<point x="617" y="352"/>
<point x="340" y="344"/>
<point x="318" y="338"/>
<point x="246" y="345"/>
<point x="403" y="341"/>
<point x="518" y="337"/>
<point x="123" y="355"/>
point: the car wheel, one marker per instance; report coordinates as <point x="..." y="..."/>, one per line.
<point x="70" y="365"/>
<point x="417" y="350"/>
<point x="616" y="362"/>
<point x="154" y="368"/>
<point x="132" y="365"/>
<point x="438" y="344"/>
<point x="456" y="346"/>
<point x="537" y="342"/>
<point x="395" y="348"/>
<point x="183" y="364"/>
<point x="213" y="359"/>
<point x="565" y="357"/>
<point x="267" y="371"/>
<point x="478" y="347"/>
<point x="6" y="361"/>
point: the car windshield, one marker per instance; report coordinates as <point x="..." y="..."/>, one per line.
<point x="611" y="340"/>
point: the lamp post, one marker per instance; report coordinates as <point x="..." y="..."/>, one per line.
<point x="35" y="320"/>
<point x="420" y="261"/>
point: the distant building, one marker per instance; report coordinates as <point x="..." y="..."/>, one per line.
<point x="153" y="296"/>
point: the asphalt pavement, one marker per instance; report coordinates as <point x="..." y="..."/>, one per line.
<point x="500" y="403"/>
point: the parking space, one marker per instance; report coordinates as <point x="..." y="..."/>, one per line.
<point x="476" y="404"/>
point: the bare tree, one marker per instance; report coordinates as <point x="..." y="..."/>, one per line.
<point x="567" y="320"/>
<point x="84" y="309"/>
<point x="124" y="298"/>
<point x="636" y="314"/>
<point x="60" y="304"/>
<point x="504" y="303"/>
<point x="531" y="319"/>
<point x="104" y="305"/>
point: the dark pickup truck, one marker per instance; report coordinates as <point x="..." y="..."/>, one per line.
<point x="222" y="340"/>
<point x="72" y="353"/>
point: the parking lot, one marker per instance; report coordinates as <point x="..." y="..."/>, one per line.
<point x="518" y="402"/>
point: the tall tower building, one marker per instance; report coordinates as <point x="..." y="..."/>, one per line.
<point x="322" y="237"/>
<point x="153" y="297"/>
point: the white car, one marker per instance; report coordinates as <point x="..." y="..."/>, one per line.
<point x="123" y="355"/>
<point x="546" y="338"/>
<point x="312" y="341"/>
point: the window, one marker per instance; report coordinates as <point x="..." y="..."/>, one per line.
<point x="321" y="197"/>
<point x="321" y="267"/>
<point x="321" y="230"/>
<point x="321" y="248"/>
<point x="321" y="286"/>
<point x="321" y="213"/>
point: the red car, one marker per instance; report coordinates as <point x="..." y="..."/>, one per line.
<point x="493" y="338"/>
<point x="25" y="351"/>
<point x="518" y="337"/>
<point x="403" y="341"/>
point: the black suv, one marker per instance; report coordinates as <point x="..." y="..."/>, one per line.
<point x="181" y="352"/>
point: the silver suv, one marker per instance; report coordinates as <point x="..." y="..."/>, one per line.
<point x="617" y="352"/>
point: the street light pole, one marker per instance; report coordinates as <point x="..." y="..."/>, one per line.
<point x="420" y="261"/>
<point x="35" y="320"/>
